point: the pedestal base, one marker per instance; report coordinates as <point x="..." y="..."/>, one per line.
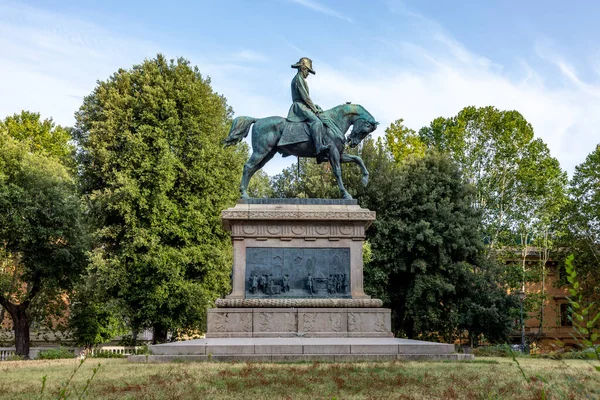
<point x="298" y="322"/>
<point x="300" y="349"/>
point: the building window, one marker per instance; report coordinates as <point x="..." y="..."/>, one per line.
<point x="562" y="273"/>
<point x="565" y="315"/>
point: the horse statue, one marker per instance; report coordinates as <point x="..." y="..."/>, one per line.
<point x="273" y="135"/>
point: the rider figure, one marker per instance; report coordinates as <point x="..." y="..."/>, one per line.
<point x="303" y="109"/>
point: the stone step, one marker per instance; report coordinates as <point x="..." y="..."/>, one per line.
<point x="298" y="358"/>
<point x="301" y="346"/>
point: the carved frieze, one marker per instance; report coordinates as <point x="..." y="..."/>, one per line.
<point x="222" y="322"/>
<point x="323" y="322"/>
<point x="257" y="214"/>
<point x="296" y="230"/>
<point x="367" y="322"/>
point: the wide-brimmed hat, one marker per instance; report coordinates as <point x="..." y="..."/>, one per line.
<point x="305" y="62"/>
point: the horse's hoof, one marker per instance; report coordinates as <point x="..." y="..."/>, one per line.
<point x="244" y="196"/>
<point x="347" y="196"/>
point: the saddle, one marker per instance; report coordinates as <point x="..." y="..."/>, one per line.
<point x="294" y="132"/>
<point x="298" y="132"/>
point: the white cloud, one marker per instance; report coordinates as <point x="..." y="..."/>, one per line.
<point x="441" y="81"/>
<point x="251" y="55"/>
<point x="50" y="61"/>
<point x="318" y="7"/>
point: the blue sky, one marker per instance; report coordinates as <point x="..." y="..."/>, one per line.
<point x="415" y="60"/>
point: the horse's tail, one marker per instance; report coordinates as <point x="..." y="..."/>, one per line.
<point x="239" y="130"/>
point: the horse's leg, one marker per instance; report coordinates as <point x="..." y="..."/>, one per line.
<point x="346" y="158"/>
<point x="256" y="161"/>
<point x="334" y="160"/>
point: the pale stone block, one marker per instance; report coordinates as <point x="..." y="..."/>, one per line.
<point x="229" y="335"/>
<point x="278" y="349"/>
<point x="369" y="320"/>
<point x="268" y="320"/>
<point x="432" y="348"/>
<point x="238" y="349"/>
<point x="229" y="320"/>
<point x="327" y="349"/>
<point x="331" y="320"/>
<point x="374" y="349"/>
<point x="177" y="350"/>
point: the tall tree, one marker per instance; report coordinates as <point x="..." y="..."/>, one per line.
<point x="513" y="173"/>
<point x="520" y="188"/>
<point x="305" y="178"/>
<point x="403" y="142"/>
<point x="426" y="247"/>
<point x="40" y="136"/>
<point x="582" y="220"/>
<point x="42" y="238"/>
<point x="157" y="178"/>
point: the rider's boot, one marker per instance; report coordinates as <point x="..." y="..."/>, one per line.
<point x="322" y="150"/>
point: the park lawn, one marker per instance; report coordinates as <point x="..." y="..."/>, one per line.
<point x="484" y="378"/>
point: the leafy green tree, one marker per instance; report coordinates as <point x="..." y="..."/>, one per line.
<point x="43" y="240"/>
<point x="157" y="179"/>
<point x="585" y="206"/>
<point x="260" y="186"/>
<point x="93" y="318"/>
<point x="585" y="312"/>
<point x="309" y="180"/>
<point x="520" y="189"/>
<point x="40" y="136"/>
<point x="403" y="142"/>
<point x="317" y="181"/>
<point x="513" y="173"/>
<point x="581" y="218"/>
<point x="426" y="247"/>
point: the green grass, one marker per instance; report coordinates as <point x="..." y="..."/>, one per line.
<point x="489" y="378"/>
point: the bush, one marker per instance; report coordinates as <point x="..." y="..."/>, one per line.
<point x="587" y="354"/>
<point x="55" y="354"/>
<point x="502" y="350"/>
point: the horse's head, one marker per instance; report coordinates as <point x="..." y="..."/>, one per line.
<point x="362" y="126"/>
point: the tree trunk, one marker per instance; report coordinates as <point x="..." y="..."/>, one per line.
<point x="134" y="336"/>
<point x="159" y="334"/>
<point x="18" y="313"/>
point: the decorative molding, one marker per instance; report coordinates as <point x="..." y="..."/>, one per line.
<point x="285" y="229"/>
<point x="299" y="303"/>
<point x="232" y="214"/>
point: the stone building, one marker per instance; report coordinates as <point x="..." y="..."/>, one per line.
<point x="548" y="326"/>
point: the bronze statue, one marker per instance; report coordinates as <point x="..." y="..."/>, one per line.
<point x="274" y="135"/>
<point x="303" y="109"/>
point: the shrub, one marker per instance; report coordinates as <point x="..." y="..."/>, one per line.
<point x="587" y="354"/>
<point x="502" y="350"/>
<point x="55" y="354"/>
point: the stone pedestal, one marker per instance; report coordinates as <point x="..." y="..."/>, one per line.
<point x="299" y="349"/>
<point x="298" y="322"/>
<point x="273" y="238"/>
<point x="298" y="292"/>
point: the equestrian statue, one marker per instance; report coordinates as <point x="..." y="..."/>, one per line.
<point x="308" y="131"/>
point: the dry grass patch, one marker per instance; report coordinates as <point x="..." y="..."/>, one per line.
<point x="483" y="379"/>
